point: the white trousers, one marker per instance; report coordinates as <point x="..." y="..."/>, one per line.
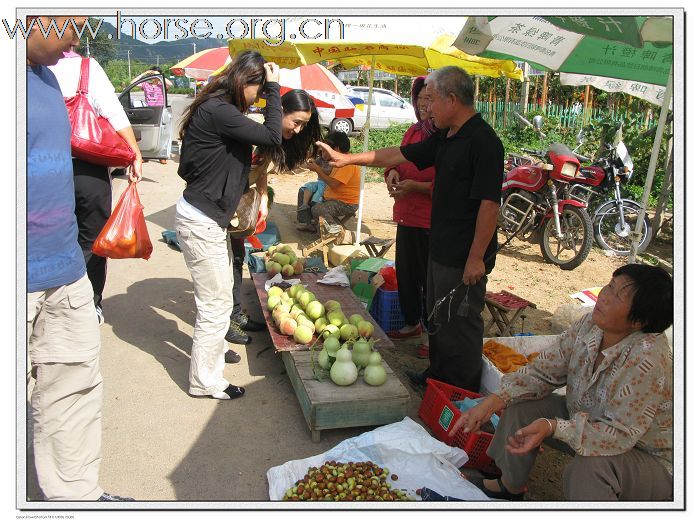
<point x="66" y="397"/>
<point x="207" y="252"/>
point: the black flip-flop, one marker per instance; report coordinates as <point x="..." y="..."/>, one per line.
<point x="502" y="494"/>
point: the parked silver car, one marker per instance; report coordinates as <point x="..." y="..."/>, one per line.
<point x="387" y="108"/>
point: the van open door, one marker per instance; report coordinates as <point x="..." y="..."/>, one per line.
<point x="146" y="105"/>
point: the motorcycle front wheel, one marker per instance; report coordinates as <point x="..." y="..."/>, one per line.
<point x="613" y="235"/>
<point x="577" y="238"/>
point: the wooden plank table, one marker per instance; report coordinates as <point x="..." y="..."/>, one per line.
<point x="349" y="303"/>
<point x="324" y="404"/>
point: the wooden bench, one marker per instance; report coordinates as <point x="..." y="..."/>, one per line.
<point x="325" y="238"/>
<point x="375" y="246"/>
<point x="505" y="307"/>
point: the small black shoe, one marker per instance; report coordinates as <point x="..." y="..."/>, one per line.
<point x="112" y="497"/>
<point x="236" y="335"/>
<point x="248" y="324"/>
<point x="501" y="494"/>
<point x="232" y="391"/>
<point x="231" y="357"/>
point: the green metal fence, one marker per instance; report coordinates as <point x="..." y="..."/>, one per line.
<point x="569" y="116"/>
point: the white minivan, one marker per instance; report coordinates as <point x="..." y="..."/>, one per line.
<point x="152" y="125"/>
<point x="387" y="108"/>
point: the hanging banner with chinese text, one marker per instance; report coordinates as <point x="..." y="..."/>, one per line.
<point x="545" y="45"/>
<point x="649" y="92"/>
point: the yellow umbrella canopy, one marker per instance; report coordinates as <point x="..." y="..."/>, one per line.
<point x="412" y="60"/>
<point x="284" y="54"/>
<point x="401" y="59"/>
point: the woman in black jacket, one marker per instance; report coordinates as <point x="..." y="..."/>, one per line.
<point x="215" y="161"/>
<point x="300" y="132"/>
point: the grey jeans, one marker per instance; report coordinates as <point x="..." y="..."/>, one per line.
<point x="631" y="476"/>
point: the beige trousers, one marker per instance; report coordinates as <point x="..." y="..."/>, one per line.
<point x="66" y="396"/>
<point x="631" y="476"/>
<point x="207" y="252"/>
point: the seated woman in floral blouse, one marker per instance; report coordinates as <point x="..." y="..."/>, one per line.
<point x="617" y="415"/>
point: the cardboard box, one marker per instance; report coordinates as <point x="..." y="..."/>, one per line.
<point x="526" y="345"/>
<point x="339" y="255"/>
<point x="360" y="277"/>
<point x="373" y="264"/>
<point x="364" y="290"/>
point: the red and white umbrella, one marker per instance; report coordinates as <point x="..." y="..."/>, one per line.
<point x="203" y="64"/>
<point x="326" y="89"/>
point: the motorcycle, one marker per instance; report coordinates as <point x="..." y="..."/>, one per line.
<point x="614" y="219"/>
<point x="536" y="207"/>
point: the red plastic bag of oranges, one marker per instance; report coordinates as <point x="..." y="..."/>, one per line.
<point x="125" y="235"/>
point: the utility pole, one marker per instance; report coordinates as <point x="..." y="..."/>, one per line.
<point x="525" y="88"/>
<point x="194" y="51"/>
<point x="157" y="60"/>
<point x="128" y="59"/>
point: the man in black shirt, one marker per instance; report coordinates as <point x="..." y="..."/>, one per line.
<point x="468" y="159"/>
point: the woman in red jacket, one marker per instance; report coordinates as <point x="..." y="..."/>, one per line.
<point x="410" y="188"/>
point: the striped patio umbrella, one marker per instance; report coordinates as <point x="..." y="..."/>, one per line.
<point x="202" y="64"/>
<point x="323" y="86"/>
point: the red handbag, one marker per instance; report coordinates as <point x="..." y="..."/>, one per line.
<point x="93" y="139"/>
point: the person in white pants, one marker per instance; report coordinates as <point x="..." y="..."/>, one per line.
<point x="217" y="146"/>
<point x="63" y="337"/>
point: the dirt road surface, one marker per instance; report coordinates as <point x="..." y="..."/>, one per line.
<point x="161" y="445"/>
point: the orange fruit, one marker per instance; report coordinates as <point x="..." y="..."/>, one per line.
<point x="128" y="241"/>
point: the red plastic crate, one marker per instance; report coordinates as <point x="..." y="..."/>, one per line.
<point x="439" y="412"/>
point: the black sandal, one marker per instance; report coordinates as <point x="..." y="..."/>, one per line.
<point x="504" y="493"/>
<point x="232" y="391"/>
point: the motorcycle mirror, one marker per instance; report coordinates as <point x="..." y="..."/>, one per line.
<point x="538" y="122"/>
<point x="522" y="119"/>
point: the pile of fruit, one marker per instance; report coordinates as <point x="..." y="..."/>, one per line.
<point x="335" y="481"/>
<point x="344" y="362"/>
<point x="296" y="307"/>
<point x="348" y="346"/>
<point x="282" y="259"/>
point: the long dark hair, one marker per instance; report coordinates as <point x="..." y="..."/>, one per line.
<point x="247" y="68"/>
<point x="294" y="152"/>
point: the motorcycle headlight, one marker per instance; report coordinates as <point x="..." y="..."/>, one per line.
<point x="569" y="169"/>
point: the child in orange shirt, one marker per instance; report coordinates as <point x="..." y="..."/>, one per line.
<point x="342" y="193"/>
<point x="314" y="190"/>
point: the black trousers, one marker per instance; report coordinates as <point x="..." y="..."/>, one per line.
<point x="456" y="340"/>
<point x="238" y="250"/>
<point x="93" y="206"/>
<point x="412" y="272"/>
